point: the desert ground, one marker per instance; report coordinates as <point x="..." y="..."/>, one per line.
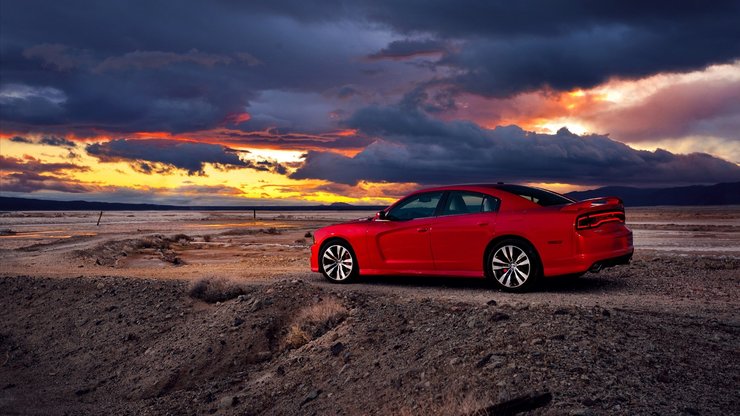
<point x="217" y="313"/>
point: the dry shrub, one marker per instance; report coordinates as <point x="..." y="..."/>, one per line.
<point x="215" y="289"/>
<point x="252" y="231"/>
<point x="181" y="238"/>
<point x="450" y="405"/>
<point x="314" y="321"/>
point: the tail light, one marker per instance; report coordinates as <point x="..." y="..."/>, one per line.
<point x="596" y="219"/>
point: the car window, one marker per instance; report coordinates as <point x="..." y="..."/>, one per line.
<point x="463" y="202"/>
<point x="417" y="206"/>
<point x="538" y="196"/>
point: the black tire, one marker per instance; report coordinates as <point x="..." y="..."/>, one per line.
<point x="513" y="265"/>
<point x="338" y="262"/>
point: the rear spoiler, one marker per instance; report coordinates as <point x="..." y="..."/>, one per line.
<point x="606" y="202"/>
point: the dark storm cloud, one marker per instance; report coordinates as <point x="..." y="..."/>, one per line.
<point x="505" y="47"/>
<point x="31" y="164"/>
<point x="402" y="49"/>
<point x="157" y="59"/>
<point x="121" y="66"/>
<point x="29" y="174"/>
<point x="20" y="139"/>
<point x="582" y="59"/>
<point x="57" y="141"/>
<point x="416" y="148"/>
<point x="32" y="182"/>
<point x="56" y="56"/>
<point x="189" y="156"/>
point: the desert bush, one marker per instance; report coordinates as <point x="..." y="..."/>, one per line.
<point x="314" y="321"/>
<point x="179" y="238"/>
<point x="215" y="289"/>
<point x="252" y="231"/>
<point x="451" y="404"/>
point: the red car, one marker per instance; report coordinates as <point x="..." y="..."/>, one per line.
<point x="511" y="234"/>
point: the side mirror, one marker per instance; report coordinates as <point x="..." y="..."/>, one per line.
<point x="381" y="215"/>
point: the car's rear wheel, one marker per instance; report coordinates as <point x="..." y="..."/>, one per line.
<point x="513" y="265"/>
<point x="338" y="262"/>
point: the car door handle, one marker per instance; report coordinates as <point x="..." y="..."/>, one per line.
<point x="482" y="224"/>
<point x="422" y="230"/>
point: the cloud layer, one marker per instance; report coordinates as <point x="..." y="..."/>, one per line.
<point x="189" y="156"/>
<point x="417" y="148"/>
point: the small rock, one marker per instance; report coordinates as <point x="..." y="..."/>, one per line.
<point x="257" y="305"/>
<point x="454" y="360"/>
<point x="499" y="316"/>
<point x="83" y="391"/>
<point x="606" y="312"/>
<point x="472" y="323"/>
<point x="537" y="341"/>
<point x="228" y="401"/>
<point x="241" y="298"/>
<point x="336" y="349"/>
<point x="238" y="321"/>
<point x="100" y="285"/>
<point x="483" y="361"/>
<point x="491" y="303"/>
<point x="581" y="412"/>
<point x="691" y="411"/>
<point x="311" y="396"/>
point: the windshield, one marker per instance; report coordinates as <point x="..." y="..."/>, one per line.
<point x="538" y="196"/>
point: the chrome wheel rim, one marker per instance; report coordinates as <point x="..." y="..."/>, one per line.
<point x="337" y="262"/>
<point x="511" y="266"/>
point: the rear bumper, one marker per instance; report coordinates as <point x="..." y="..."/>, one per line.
<point x="610" y="245"/>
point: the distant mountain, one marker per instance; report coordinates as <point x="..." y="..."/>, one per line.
<point x="29" y="204"/>
<point x="719" y="194"/>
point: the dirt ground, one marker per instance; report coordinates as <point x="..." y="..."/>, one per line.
<point x="216" y="312"/>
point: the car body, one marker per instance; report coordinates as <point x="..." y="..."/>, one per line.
<point x="454" y="231"/>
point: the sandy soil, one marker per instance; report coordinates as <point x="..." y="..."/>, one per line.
<point x="215" y="312"/>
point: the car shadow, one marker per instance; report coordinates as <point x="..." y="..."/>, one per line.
<point x="590" y="283"/>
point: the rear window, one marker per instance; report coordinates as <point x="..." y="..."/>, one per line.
<point x="538" y="196"/>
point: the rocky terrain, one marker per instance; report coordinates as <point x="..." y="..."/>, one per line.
<point x="110" y="324"/>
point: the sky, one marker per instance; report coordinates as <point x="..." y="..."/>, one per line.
<point x="292" y="102"/>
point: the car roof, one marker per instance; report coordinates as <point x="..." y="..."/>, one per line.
<point x="466" y="186"/>
<point x="501" y="190"/>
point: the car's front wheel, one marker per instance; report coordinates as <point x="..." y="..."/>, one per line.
<point x="513" y="265"/>
<point x="338" y="262"/>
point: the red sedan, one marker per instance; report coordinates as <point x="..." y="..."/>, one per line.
<point x="511" y="234"/>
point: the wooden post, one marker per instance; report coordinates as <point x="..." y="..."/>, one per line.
<point x="254" y="214"/>
<point x="99" y="217"/>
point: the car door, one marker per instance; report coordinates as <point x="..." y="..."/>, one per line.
<point x="465" y="225"/>
<point x="402" y="240"/>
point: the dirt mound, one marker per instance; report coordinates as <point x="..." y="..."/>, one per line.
<point x="110" y="253"/>
<point x="132" y="346"/>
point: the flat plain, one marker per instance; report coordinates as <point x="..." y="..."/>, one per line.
<point x="190" y="312"/>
